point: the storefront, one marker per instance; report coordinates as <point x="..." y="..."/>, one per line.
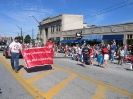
<point x="92" y="39"/>
<point x="118" y="38"/>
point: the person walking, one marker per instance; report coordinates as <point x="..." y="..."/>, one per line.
<point x="121" y="57"/>
<point x="14" y="50"/>
<point x="106" y="56"/>
<point x="50" y="45"/>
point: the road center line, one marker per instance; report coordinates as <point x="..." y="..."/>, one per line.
<point x="53" y="91"/>
<point x="100" y="93"/>
<point x="20" y="80"/>
<point x="112" y="88"/>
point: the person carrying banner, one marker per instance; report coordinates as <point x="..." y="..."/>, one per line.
<point x="50" y="45"/>
<point x="14" y="49"/>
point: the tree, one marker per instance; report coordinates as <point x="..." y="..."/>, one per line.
<point x="27" y="39"/>
<point x="20" y="39"/>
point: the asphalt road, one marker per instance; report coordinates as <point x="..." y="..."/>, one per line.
<point x="10" y="88"/>
<point x="71" y="80"/>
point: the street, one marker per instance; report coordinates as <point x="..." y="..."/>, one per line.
<point x="68" y="80"/>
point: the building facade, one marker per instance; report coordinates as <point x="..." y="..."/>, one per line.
<point x="65" y="27"/>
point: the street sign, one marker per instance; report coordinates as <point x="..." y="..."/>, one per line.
<point x="79" y="34"/>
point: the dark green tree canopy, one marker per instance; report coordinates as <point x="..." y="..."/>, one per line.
<point x="27" y="39"/>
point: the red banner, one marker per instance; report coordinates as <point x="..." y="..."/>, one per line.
<point x="38" y="56"/>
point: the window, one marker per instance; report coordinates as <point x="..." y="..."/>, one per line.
<point x="58" y="28"/>
<point x="53" y="28"/>
<point x="130" y="36"/>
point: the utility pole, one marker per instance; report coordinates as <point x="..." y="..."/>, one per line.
<point x="21" y="32"/>
<point x="32" y="34"/>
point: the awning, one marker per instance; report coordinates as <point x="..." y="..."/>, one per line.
<point x="113" y="37"/>
<point x="92" y="37"/>
<point x="78" y="41"/>
<point x="66" y="41"/>
<point x="55" y="41"/>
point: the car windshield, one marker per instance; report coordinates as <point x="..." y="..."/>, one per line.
<point x="2" y="43"/>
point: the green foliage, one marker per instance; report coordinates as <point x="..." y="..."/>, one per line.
<point x="20" y="39"/>
<point x="27" y="39"/>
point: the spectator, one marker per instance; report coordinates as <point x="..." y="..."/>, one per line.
<point x="85" y="52"/>
<point x="120" y="61"/>
<point x="106" y="56"/>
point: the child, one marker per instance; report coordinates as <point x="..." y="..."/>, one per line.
<point x="100" y="59"/>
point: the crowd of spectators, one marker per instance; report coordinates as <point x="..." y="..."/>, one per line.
<point x="101" y="53"/>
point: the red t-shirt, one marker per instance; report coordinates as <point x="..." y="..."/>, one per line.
<point x="50" y="45"/>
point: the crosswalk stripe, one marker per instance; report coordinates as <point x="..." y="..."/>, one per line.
<point x="53" y="91"/>
<point x="100" y="93"/>
<point x="40" y="76"/>
<point x="110" y="87"/>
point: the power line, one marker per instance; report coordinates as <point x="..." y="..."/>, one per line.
<point x="102" y="12"/>
<point x="109" y="7"/>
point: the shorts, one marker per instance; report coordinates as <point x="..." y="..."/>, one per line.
<point x="80" y="55"/>
<point x="106" y="57"/>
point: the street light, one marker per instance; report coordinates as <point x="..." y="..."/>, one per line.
<point x="35" y="19"/>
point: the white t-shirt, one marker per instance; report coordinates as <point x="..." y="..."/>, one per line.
<point x="79" y="50"/>
<point x="15" y="47"/>
<point x="76" y="49"/>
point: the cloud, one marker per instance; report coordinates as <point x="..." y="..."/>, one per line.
<point x="18" y="11"/>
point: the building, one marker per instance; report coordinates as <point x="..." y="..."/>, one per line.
<point x="65" y="27"/>
<point x="53" y="27"/>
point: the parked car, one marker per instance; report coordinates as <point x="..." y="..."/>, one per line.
<point x="2" y="45"/>
<point x="5" y="52"/>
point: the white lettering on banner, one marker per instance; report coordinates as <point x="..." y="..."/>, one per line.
<point x="24" y="54"/>
<point x="40" y="59"/>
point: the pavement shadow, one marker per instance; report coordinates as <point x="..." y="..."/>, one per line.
<point x="98" y="66"/>
<point x="128" y="69"/>
<point x="20" y="67"/>
<point x="38" y="68"/>
<point x="80" y="64"/>
<point x="0" y="91"/>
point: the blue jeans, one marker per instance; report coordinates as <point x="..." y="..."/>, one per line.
<point x="14" y="59"/>
<point x="112" y="56"/>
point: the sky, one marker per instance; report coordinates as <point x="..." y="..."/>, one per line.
<point x="14" y="14"/>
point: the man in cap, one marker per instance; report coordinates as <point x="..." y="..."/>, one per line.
<point x="14" y="50"/>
